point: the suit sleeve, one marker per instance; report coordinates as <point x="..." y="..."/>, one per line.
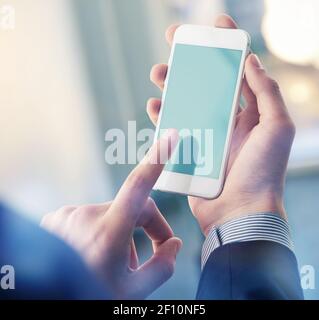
<point x="252" y="270"/>
<point x="44" y="266"/>
<point x="250" y="258"/>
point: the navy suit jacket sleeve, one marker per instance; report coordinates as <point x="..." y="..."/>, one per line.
<point x="45" y="268"/>
<point x="250" y="270"/>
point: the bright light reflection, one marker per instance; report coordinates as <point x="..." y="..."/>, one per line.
<point x="291" y="28"/>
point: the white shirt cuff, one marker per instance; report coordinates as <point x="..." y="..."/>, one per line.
<point x="259" y="226"/>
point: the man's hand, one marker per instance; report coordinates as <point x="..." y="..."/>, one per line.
<point x="103" y="234"/>
<point x="259" y="150"/>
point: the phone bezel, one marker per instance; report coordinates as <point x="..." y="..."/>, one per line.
<point x="209" y="37"/>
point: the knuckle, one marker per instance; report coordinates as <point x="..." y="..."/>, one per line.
<point x="167" y="269"/>
<point x="284" y="121"/>
<point x="83" y="212"/>
<point x="196" y="206"/>
<point x="154" y="71"/>
<point x="149" y="102"/>
<point x="293" y="128"/>
<point x="46" y="219"/>
<point x="284" y="127"/>
<point x="289" y="127"/>
<point x="66" y="209"/>
<point x="272" y="85"/>
<point x="151" y="205"/>
<point x="89" y="209"/>
<point x="74" y="217"/>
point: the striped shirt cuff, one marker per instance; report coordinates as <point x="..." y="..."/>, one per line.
<point x="260" y="226"/>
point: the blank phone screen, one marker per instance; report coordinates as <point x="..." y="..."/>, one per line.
<point x="198" y="102"/>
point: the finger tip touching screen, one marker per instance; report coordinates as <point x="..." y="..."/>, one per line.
<point x="200" y="100"/>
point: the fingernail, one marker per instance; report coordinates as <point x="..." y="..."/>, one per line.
<point x="178" y="246"/>
<point x="256" y="61"/>
<point x="164" y="148"/>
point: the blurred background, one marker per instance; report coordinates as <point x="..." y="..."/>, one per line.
<point x="72" y="69"/>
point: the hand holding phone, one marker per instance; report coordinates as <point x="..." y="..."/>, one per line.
<point x="259" y="151"/>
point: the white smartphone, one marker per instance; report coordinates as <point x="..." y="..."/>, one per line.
<point x="200" y="100"/>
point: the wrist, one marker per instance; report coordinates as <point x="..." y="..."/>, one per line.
<point x="230" y="209"/>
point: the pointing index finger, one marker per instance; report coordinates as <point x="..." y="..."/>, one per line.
<point x="131" y="198"/>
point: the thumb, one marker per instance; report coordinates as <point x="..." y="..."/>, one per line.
<point x="158" y="269"/>
<point x="269" y="99"/>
